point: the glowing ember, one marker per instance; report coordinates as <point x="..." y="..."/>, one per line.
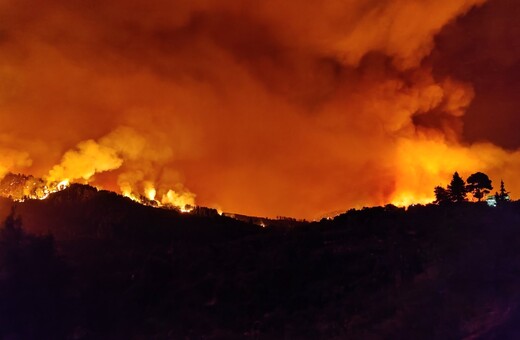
<point x="62" y="185"/>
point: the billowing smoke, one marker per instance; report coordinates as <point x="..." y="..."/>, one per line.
<point x="137" y="161"/>
<point x="12" y="159"/>
<point x="86" y="160"/>
<point x="266" y="108"/>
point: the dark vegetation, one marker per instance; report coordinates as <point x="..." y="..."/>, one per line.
<point x="85" y="264"/>
<point x="478" y="185"/>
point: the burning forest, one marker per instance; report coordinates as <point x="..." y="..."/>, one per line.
<point x="249" y="107"/>
<point x="147" y="146"/>
<point x="19" y="188"/>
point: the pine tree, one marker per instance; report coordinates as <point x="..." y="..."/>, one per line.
<point x="503" y="196"/>
<point x="457" y="188"/>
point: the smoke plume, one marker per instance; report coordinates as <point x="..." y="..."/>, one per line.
<point x="258" y="107"/>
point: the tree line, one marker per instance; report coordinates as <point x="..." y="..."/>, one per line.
<point x="478" y="185"/>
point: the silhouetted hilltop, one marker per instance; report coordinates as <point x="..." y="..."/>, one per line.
<point x="81" y="211"/>
<point x="116" y="269"/>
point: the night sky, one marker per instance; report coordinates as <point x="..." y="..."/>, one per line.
<point x="262" y="107"/>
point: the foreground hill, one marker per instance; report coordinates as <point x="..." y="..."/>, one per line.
<point x="81" y="211"/>
<point x="116" y="269"/>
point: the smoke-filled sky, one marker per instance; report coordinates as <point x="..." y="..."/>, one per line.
<point x="262" y="107"/>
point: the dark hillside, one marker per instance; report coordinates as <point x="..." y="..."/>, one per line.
<point x="116" y="269"/>
<point x="81" y="211"/>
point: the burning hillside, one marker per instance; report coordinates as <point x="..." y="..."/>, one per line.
<point x="262" y="108"/>
<point x="20" y="187"/>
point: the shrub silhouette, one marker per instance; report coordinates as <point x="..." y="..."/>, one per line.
<point x="442" y="196"/>
<point x="455" y="192"/>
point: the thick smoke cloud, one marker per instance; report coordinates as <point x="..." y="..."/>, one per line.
<point x="482" y="48"/>
<point x="258" y="107"/>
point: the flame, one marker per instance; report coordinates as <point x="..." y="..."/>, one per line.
<point x="124" y="150"/>
<point x="21" y="188"/>
<point x="130" y="195"/>
<point x="267" y="109"/>
<point x="184" y="201"/>
<point x="150" y="191"/>
<point x="62" y="185"/>
<point x="406" y="199"/>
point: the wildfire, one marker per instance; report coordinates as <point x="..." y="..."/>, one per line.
<point x="264" y="109"/>
<point x="46" y="190"/>
<point x="124" y="153"/>
<point x="406" y="199"/>
<point x="20" y="188"/>
<point x="184" y="202"/>
<point x="62" y="185"/>
<point x="150" y="192"/>
<point x="130" y="195"/>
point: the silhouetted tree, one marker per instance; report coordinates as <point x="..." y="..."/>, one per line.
<point x="457" y="188"/>
<point x="442" y="196"/>
<point x="503" y="195"/>
<point x="479" y="185"/>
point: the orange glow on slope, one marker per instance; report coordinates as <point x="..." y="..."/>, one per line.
<point x="21" y="188"/>
<point x="184" y="201"/>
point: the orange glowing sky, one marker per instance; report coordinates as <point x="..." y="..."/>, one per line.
<point x="262" y="107"/>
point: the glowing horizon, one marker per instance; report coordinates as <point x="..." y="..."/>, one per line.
<point x="263" y="109"/>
